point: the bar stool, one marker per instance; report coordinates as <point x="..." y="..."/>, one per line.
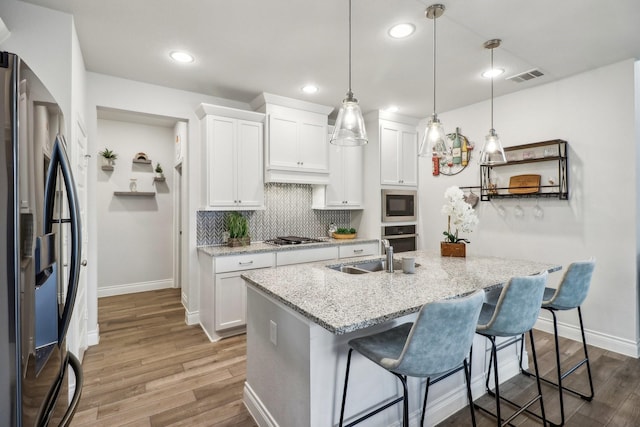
<point x="569" y="295"/>
<point x="433" y="347"/>
<point x="514" y="313"/>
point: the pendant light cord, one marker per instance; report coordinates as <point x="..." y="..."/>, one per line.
<point x="434" y="63"/>
<point x="350" y="94"/>
<point x="492" y="88"/>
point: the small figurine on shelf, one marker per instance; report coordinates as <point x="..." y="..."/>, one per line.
<point x="159" y="172"/>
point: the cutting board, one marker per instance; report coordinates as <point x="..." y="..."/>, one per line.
<point x="524" y="184"/>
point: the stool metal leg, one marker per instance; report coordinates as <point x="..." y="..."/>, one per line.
<point x="467" y="378"/>
<point x="424" y="405"/>
<point x="402" y="378"/>
<point x="344" y="393"/>
<point x="560" y="375"/>
<point x="493" y="360"/>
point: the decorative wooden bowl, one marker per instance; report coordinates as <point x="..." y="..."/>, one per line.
<point x="344" y="236"/>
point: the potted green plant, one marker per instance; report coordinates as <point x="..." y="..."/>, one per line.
<point x="159" y="171"/>
<point x="108" y="157"/>
<point x="344" y="233"/>
<point x="238" y="229"/>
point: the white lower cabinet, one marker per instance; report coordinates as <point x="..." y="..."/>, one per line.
<point x="361" y="249"/>
<point x="230" y="301"/>
<point x="223" y="293"/>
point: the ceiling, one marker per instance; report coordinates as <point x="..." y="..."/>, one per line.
<point x="245" y="47"/>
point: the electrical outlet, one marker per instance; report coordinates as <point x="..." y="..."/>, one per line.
<point x="273" y="332"/>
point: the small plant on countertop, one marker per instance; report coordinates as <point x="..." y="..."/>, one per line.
<point x="238" y="228"/>
<point x="346" y="231"/>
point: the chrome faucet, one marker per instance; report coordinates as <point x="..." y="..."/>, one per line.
<point x="389" y="251"/>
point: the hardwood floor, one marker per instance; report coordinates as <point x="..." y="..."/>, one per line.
<point x="150" y="369"/>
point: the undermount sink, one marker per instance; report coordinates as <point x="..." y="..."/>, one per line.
<point x="362" y="267"/>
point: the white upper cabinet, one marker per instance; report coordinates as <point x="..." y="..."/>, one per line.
<point x="344" y="190"/>
<point x="398" y="154"/>
<point x="233" y="145"/>
<point x="296" y="148"/>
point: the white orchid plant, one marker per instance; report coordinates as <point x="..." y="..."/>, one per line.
<point x="460" y="215"/>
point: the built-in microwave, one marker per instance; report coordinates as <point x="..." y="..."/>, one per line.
<point x="399" y="205"/>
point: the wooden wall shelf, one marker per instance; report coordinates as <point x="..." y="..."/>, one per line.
<point x="554" y="151"/>
<point x="134" y="193"/>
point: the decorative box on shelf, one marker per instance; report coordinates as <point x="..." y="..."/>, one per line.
<point x="453" y="249"/>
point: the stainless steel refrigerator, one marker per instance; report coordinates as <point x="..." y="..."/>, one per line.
<point x="39" y="254"/>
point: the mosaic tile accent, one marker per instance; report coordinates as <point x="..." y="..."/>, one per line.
<point x="288" y="212"/>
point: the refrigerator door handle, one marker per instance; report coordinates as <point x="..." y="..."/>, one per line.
<point x="74" y="364"/>
<point x="59" y="159"/>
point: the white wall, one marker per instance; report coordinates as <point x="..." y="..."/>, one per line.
<point x="595" y="113"/>
<point x="135" y="234"/>
<point x="43" y="38"/>
<point x="121" y="94"/>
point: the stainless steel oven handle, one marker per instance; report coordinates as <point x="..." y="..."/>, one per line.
<point x="399" y="236"/>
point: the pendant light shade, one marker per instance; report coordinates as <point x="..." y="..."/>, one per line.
<point x="492" y="152"/>
<point x="349" y="127"/>
<point x="433" y="141"/>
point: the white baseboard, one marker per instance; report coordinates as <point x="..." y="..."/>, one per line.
<point x="623" y="346"/>
<point x="93" y="337"/>
<point x="256" y="408"/>
<point x="130" y="288"/>
<point x="191" y="317"/>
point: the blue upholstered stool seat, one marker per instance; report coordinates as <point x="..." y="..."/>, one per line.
<point x="570" y="294"/>
<point x="432" y="347"/>
<point x="511" y="311"/>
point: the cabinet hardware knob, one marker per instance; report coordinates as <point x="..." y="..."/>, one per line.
<point x="84" y="263"/>
<point x="245" y="263"/>
<point x="355" y="251"/>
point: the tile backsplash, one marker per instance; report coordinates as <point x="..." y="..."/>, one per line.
<point x="288" y="212"/>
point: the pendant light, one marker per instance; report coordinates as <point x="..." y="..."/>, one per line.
<point x="434" y="135"/>
<point x="492" y="153"/>
<point x="349" y="127"/>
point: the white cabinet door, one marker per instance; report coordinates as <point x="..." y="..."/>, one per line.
<point x="283" y="142"/>
<point x="230" y="301"/>
<point x="234" y="163"/>
<point x="398" y="154"/>
<point x="250" y="185"/>
<point x="221" y="161"/>
<point x="313" y="148"/>
<point x="409" y="156"/>
<point x="296" y="146"/>
<point x="345" y="188"/>
<point x="352" y="166"/>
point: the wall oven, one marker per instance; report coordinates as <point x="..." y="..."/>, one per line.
<point x="403" y="238"/>
<point x="399" y="205"/>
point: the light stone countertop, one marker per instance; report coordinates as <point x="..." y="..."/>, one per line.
<point x="257" y="247"/>
<point x="343" y="303"/>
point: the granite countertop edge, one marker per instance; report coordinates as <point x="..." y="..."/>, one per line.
<point x="334" y="301"/>
<point x="259" y="247"/>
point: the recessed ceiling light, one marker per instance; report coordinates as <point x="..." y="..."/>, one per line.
<point x="181" y="56"/>
<point x="310" y="88"/>
<point x="392" y="109"/>
<point x="493" y="73"/>
<point x="400" y="31"/>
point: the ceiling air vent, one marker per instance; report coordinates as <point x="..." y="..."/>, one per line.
<point x="527" y="75"/>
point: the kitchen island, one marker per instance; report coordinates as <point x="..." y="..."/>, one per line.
<point x="301" y="317"/>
